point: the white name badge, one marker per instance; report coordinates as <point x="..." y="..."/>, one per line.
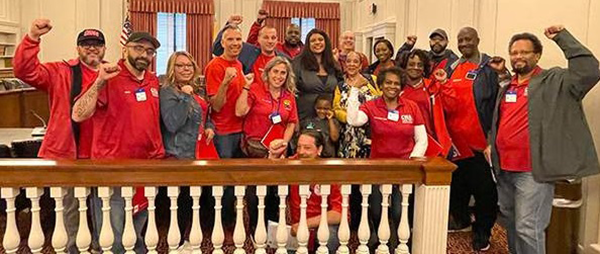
<point x="511" y="97"/>
<point x="393" y="115"/>
<point x="140" y="95"/>
<point x="276" y="118"/>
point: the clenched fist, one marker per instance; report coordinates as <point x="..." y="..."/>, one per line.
<point x="230" y="73"/>
<point x="108" y="71"/>
<point x="38" y="28"/>
<point x="552" y="31"/>
<point x="249" y="79"/>
<point x="411" y="39"/>
<point x="235" y="19"/>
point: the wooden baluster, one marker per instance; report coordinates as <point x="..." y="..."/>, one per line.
<point x="282" y="233"/>
<point x="303" y="233"/>
<point x="364" y="233"/>
<point x="239" y="233"/>
<point x="129" y="237"/>
<point x="344" y="230"/>
<point x="404" y="229"/>
<point x="107" y="238"/>
<point x="173" y="237"/>
<point x="260" y="236"/>
<point x="11" y="235"/>
<point x="84" y="238"/>
<point x="36" y="235"/>
<point x="59" y="237"/>
<point x="218" y="236"/>
<point x="196" y="231"/>
<point x="323" y="231"/>
<point x="151" y="237"/>
<point x="384" y="225"/>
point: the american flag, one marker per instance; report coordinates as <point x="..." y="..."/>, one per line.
<point x="126" y="31"/>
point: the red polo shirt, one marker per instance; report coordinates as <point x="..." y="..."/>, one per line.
<point x="421" y="97"/>
<point x="225" y="120"/>
<point x="392" y="139"/>
<point x="313" y="208"/>
<point x="55" y="78"/>
<point x="262" y="106"/>
<point x="127" y="118"/>
<point x="259" y="66"/>
<point x="512" y="142"/>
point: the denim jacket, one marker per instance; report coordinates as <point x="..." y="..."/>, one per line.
<point x="181" y="118"/>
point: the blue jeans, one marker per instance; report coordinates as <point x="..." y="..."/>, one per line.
<point x="117" y="220"/>
<point x="525" y="207"/>
<point x="229" y="145"/>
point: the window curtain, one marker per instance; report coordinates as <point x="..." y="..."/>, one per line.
<point x="199" y="18"/>
<point x="327" y="16"/>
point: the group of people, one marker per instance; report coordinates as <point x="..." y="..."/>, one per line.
<point x="510" y="134"/>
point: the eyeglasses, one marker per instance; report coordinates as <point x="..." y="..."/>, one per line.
<point x="89" y="46"/>
<point x="184" y="66"/>
<point x="140" y="50"/>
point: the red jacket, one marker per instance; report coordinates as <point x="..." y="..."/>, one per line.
<point x="55" y="79"/>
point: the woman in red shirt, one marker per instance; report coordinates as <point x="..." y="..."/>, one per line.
<point x="269" y="108"/>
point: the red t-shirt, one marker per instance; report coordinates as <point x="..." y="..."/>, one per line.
<point x="262" y="106"/>
<point x="291" y="51"/>
<point x="225" y="120"/>
<point x="313" y="208"/>
<point x="127" y="118"/>
<point x="55" y="78"/>
<point x="461" y="112"/>
<point x="512" y="142"/>
<point x="389" y="138"/>
<point x="421" y="97"/>
<point x="259" y="66"/>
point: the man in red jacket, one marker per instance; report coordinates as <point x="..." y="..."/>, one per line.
<point x="62" y="80"/>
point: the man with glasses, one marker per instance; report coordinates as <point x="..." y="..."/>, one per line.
<point x="124" y="106"/>
<point x="62" y="80"/>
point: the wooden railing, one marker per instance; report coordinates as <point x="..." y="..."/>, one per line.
<point x="430" y="178"/>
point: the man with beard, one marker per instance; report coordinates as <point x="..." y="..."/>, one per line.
<point x="346" y="45"/>
<point x="124" y="107"/>
<point x="253" y="58"/>
<point x="539" y="133"/>
<point x="62" y="81"/>
<point x="439" y="55"/>
<point x="310" y="146"/>
<point x="469" y="96"/>
<point x="292" y="44"/>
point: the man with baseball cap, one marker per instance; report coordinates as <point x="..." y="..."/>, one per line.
<point x="124" y="106"/>
<point x="62" y="80"/>
<point x="439" y="55"/>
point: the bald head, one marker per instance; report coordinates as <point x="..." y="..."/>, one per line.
<point x="468" y="42"/>
<point x="292" y="34"/>
<point x="347" y="41"/>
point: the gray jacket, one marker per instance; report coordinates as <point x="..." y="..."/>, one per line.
<point x="561" y="143"/>
<point x="181" y="117"/>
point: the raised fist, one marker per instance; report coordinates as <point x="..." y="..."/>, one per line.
<point x="498" y="64"/>
<point x="411" y="39"/>
<point x="38" y="28"/>
<point x="108" y="71"/>
<point x="235" y="19"/>
<point x="187" y="89"/>
<point x="249" y="78"/>
<point x="230" y="73"/>
<point x="552" y="31"/>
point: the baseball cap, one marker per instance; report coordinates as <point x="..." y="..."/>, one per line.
<point x="89" y="35"/>
<point x="140" y="36"/>
<point x="439" y="32"/>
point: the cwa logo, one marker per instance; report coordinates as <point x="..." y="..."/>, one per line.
<point x="407" y="119"/>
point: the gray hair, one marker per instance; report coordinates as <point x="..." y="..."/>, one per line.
<point x="290" y="81"/>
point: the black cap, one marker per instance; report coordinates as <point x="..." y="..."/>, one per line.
<point x="439" y="32"/>
<point x="140" y="36"/>
<point x="90" y="35"/>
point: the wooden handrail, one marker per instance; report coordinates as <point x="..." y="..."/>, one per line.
<point x="49" y="173"/>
